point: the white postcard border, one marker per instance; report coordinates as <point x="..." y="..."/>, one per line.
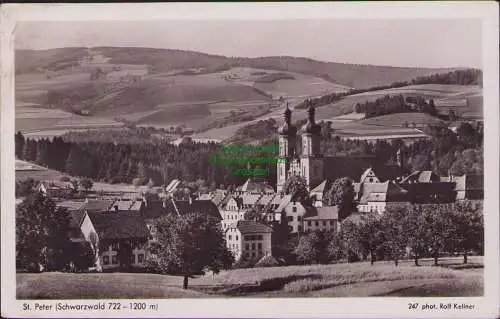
<point x="485" y="307"/>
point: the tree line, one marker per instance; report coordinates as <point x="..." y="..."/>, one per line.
<point x="415" y="231"/>
<point x="395" y="104"/>
<point x="159" y="161"/>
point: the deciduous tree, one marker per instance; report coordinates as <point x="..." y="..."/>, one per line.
<point x="190" y="244"/>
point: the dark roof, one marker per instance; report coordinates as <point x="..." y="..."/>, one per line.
<point x="184" y="207"/>
<point x="154" y="209"/>
<point x="97" y="205"/>
<point x="119" y="225"/>
<point x="252" y="227"/>
<point x="76" y="218"/>
<point x="348" y="166"/>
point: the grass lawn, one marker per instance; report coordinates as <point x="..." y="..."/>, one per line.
<point x="340" y="280"/>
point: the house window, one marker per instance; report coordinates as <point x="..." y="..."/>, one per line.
<point x="259" y="246"/>
<point x="114" y="260"/>
<point x="253" y="246"/>
<point x="370" y="180"/>
<point x="317" y="223"/>
<point x="230" y="238"/>
<point x="247" y="247"/>
<point x="236" y="237"/>
<point x="253" y="254"/>
<point x="140" y="258"/>
<point x="324" y="223"/>
<point x="105" y="260"/>
<point x="308" y="223"/>
<point x="294" y="209"/>
<point x="114" y="246"/>
<point x="290" y="218"/>
<point x="331" y="222"/>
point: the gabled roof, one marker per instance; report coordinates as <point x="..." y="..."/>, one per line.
<point x="322" y="213"/>
<point x="250" y="199"/>
<point x="184" y="207"/>
<point x="238" y="200"/>
<point x="255" y="185"/>
<point x="285" y="200"/>
<point x="119" y="225"/>
<point x="219" y="195"/>
<point x="348" y="166"/>
<point x="252" y="227"/>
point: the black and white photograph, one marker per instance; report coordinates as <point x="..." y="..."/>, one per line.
<point x="250" y="158"/>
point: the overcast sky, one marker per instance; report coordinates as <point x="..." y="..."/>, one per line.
<point x="422" y="43"/>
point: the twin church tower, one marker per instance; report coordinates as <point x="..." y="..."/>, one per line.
<point x="307" y="163"/>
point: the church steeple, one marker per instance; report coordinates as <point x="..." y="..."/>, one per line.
<point x="287" y="142"/>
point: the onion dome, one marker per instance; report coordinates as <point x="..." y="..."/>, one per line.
<point x="287" y="128"/>
<point x="311" y="127"/>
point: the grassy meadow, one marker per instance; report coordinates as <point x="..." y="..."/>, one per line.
<point x="337" y="280"/>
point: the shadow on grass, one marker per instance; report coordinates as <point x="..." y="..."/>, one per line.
<point x="266" y="285"/>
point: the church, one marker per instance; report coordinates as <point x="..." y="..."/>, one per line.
<point x="310" y="163"/>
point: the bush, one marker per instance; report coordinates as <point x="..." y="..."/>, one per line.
<point x="243" y="263"/>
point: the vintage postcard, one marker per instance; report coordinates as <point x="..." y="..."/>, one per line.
<point x="250" y="160"/>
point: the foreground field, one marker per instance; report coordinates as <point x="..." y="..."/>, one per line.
<point x="341" y="280"/>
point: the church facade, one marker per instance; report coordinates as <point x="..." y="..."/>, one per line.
<point x="309" y="162"/>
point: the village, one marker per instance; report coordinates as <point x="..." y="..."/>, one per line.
<point x="254" y="215"/>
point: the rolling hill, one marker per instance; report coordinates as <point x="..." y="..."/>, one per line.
<point x="160" y="87"/>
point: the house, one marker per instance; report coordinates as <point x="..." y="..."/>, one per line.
<point x="232" y="211"/>
<point x="321" y="218"/>
<point x="249" y="200"/>
<point x="249" y="240"/>
<point x="430" y="192"/>
<point x="293" y="213"/>
<point x="97" y="205"/>
<point x="123" y="239"/>
<point x="375" y="197"/>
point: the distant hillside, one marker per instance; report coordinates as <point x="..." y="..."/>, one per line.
<point x="167" y="60"/>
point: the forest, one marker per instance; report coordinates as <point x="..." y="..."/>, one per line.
<point x="395" y="104"/>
